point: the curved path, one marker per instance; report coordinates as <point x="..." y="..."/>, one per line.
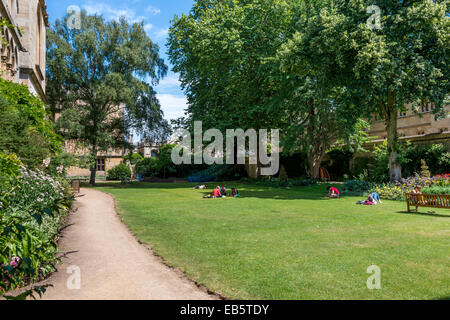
<point x="112" y="264"/>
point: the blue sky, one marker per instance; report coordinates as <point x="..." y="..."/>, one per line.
<point x="156" y="15"/>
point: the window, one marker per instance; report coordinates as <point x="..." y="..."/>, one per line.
<point x="426" y="108"/>
<point x="100" y="165"/>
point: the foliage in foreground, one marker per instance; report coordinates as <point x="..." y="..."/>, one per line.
<point x="25" y="128"/>
<point x="33" y="206"/>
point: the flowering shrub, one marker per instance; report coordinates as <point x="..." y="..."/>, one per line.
<point x="442" y="180"/>
<point x="32" y="207"/>
<point x="439" y="184"/>
<point x="389" y="192"/>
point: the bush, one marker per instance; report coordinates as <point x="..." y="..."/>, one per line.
<point x="437" y="185"/>
<point x="410" y="157"/>
<point x="356" y="186"/>
<point x="25" y="128"/>
<point x="33" y="206"/>
<point x="437" y="190"/>
<point x="278" y="183"/>
<point x="119" y="173"/>
<point x="389" y="192"/>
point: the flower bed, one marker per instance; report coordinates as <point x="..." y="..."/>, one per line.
<point x="439" y="184"/>
<point x="33" y="205"/>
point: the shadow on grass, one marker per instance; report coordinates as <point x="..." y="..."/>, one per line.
<point x="313" y="192"/>
<point x="430" y="214"/>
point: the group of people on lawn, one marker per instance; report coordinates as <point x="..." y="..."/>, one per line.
<point x="373" y="199"/>
<point x="333" y="192"/>
<point x="220" y="192"/>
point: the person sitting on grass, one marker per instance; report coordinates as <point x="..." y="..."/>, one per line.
<point x="216" y="193"/>
<point x="223" y="191"/>
<point x="333" y="192"/>
<point x="235" y="193"/>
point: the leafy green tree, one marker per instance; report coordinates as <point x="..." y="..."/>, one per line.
<point x="165" y="162"/>
<point x="220" y="50"/>
<point x="382" y="70"/>
<point x="98" y="80"/>
<point x="25" y="126"/>
<point x="313" y="106"/>
<point x="133" y="158"/>
<point x="236" y="76"/>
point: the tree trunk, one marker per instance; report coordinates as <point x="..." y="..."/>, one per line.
<point x="93" y="167"/>
<point x="314" y="163"/>
<point x="395" y="170"/>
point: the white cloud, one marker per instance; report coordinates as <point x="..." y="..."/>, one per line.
<point x="148" y="27"/>
<point x="162" y="33"/>
<point x="153" y="10"/>
<point x="108" y="11"/>
<point x="172" y="105"/>
<point x="170" y="81"/>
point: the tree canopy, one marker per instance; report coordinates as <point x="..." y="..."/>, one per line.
<point x="402" y="63"/>
<point x="100" y="80"/>
<point x="228" y="55"/>
<point x="317" y="70"/>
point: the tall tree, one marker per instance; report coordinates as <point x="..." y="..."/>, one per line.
<point x="98" y="80"/>
<point x="383" y="68"/>
<point x="313" y="110"/>
<point x="227" y="53"/>
<point x="220" y="50"/>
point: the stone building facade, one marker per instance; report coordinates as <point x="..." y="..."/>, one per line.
<point x="419" y="128"/>
<point x="415" y="126"/>
<point x="23" y="51"/>
<point x="148" y="149"/>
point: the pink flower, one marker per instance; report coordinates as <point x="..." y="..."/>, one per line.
<point x="14" y="261"/>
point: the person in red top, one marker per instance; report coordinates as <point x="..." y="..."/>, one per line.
<point x="216" y="193"/>
<point x="333" y="192"/>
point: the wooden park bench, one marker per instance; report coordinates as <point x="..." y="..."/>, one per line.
<point x="427" y="200"/>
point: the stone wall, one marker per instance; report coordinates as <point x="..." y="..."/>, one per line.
<point x="414" y="125"/>
<point x="23" y="57"/>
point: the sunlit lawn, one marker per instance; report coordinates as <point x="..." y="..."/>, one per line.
<point x="291" y="243"/>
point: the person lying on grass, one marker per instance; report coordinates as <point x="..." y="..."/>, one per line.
<point x="202" y="187"/>
<point x="372" y="200"/>
<point x="333" y="192"/>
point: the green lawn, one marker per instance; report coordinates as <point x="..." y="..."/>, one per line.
<point x="291" y="243"/>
